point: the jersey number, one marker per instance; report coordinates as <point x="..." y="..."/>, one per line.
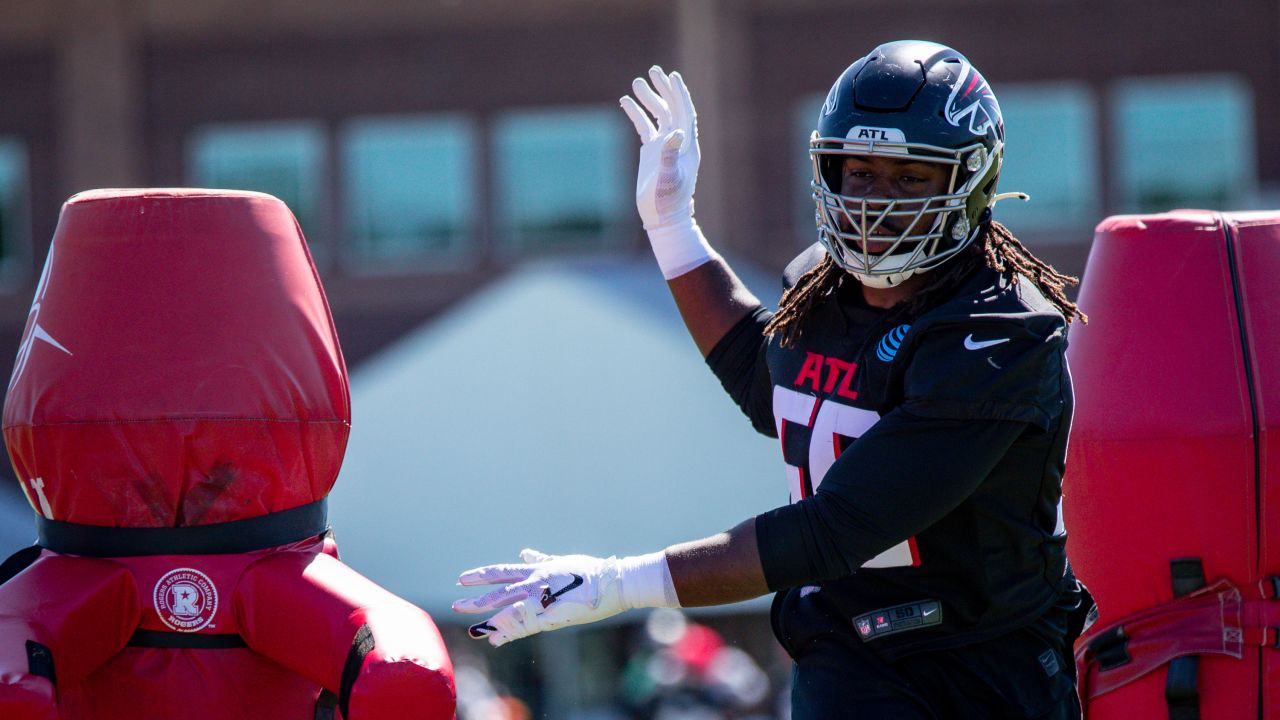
<point x="827" y="421"/>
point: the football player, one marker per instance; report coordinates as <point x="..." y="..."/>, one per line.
<point x="914" y="374"/>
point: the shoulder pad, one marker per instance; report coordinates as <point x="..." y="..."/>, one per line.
<point x="999" y="368"/>
<point x="803" y="263"/>
<point x="992" y="296"/>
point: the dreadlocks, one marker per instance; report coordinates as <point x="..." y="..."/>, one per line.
<point x="998" y="250"/>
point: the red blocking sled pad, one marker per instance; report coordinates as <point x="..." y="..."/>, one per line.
<point x="1173" y="472"/>
<point x="177" y="414"/>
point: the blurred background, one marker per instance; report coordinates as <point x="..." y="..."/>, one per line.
<point x="464" y="177"/>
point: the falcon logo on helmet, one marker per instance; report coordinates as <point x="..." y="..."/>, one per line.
<point x="971" y="98"/>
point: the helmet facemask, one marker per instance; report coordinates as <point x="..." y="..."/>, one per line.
<point x="922" y="232"/>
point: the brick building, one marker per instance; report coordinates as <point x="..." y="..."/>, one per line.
<point x="429" y="146"/>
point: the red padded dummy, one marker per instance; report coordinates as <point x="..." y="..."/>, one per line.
<point x="1171" y="461"/>
<point x="177" y="413"/>
<point x="179" y="366"/>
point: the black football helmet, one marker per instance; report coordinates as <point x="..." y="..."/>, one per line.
<point x="907" y="99"/>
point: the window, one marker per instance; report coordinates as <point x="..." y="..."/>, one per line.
<point x="1184" y="142"/>
<point x="286" y="160"/>
<point x="562" y="178"/>
<point x="14" y="216"/>
<point x="1051" y="154"/>
<point x="410" y="189"/>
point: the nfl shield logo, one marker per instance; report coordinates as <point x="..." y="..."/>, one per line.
<point x="864" y="626"/>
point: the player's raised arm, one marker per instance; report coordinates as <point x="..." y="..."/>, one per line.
<point x="710" y="297"/>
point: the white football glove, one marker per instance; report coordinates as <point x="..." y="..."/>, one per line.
<point x="668" y="172"/>
<point x="553" y="591"/>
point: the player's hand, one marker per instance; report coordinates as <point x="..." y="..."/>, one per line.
<point x="669" y="153"/>
<point x="544" y="592"/>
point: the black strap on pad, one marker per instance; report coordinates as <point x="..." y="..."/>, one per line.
<point x="162" y="639"/>
<point x="1111" y="648"/>
<point x="361" y="645"/>
<point x="1180" y="691"/>
<point x="326" y="706"/>
<point x="40" y="661"/>
<point x="236" y="536"/>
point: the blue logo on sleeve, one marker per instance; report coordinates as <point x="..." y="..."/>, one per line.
<point x="890" y="343"/>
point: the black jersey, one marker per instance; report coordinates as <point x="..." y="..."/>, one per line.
<point x="924" y="458"/>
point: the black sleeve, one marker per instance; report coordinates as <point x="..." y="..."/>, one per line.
<point x="902" y="476"/>
<point x="738" y="361"/>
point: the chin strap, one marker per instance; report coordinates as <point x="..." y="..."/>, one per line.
<point x="1005" y="196"/>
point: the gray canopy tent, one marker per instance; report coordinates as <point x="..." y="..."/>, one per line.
<point x="563" y="408"/>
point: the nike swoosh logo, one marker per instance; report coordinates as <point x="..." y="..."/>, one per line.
<point x="971" y="344"/>
<point x="549" y="597"/>
<point x="480" y="630"/>
<point x="927" y="613"/>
